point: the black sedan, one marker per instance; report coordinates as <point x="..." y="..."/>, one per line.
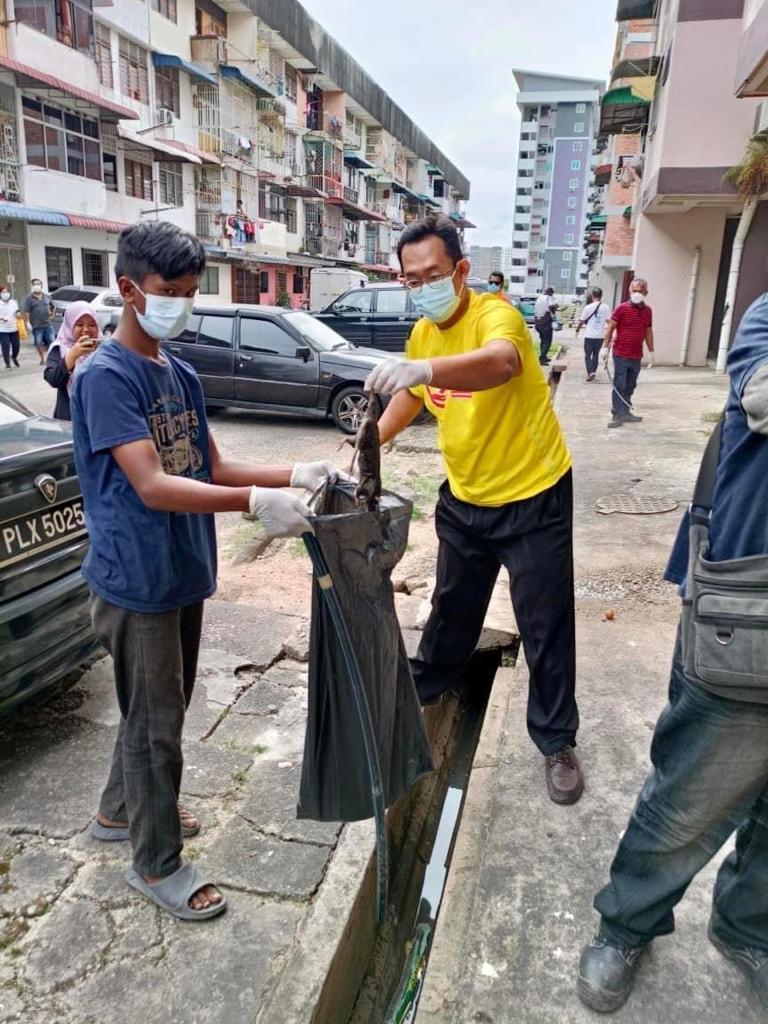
<point x="276" y="360"/>
<point x="45" y="629"/>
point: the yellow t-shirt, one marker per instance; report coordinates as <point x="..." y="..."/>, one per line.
<point x="499" y="445"/>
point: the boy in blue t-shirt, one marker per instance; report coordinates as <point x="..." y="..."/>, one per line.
<point x="152" y="477"/>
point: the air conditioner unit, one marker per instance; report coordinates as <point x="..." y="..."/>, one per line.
<point x="164" y="115"/>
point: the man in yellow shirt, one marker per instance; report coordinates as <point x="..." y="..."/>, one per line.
<point x="508" y="498"/>
<point x="496" y="286"/>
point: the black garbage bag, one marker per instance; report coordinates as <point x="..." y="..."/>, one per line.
<point x="360" y="549"/>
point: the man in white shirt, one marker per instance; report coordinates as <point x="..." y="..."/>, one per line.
<point x="544" y="317"/>
<point x="9" y="330"/>
<point x="594" y="320"/>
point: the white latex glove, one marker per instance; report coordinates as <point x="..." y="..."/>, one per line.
<point x="281" y="513"/>
<point x="397" y="374"/>
<point x="312" y="475"/>
<point x="604" y="353"/>
<point x="649" y="361"/>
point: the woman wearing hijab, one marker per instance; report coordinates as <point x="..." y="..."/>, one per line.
<point x="78" y="338"/>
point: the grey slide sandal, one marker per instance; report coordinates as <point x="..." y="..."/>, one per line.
<point x="116" y="834"/>
<point x="174" y="892"/>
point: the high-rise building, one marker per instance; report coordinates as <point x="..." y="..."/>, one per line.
<point x="559" y="121"/>
<point x="485" y="259"/>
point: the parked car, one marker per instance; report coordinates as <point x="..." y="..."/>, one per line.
<point x="379" y="316"/>
<point x="276" y="360"/>
<point x="107" y="304"/>
<point x="526" y="304"/>
<point x="45" y="628"/>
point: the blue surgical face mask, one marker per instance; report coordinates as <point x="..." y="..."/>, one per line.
<point x="436" y="300"/>
<point x="494" y="287"/>
<point x="163" y="316"/>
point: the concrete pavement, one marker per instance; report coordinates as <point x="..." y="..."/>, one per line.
<point x="518" y="906"/>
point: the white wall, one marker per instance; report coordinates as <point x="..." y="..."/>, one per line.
<point x="224" y="298"/>
<point x="76" y="239"/>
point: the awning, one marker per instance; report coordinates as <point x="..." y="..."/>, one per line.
<point x="301" y="191"/>
<point x="29" y="77"/>
<point x="204" y="155"/>
<point x="379" y="268"/>
<point x="623" y="109"/>
<point x="627" y="212"/>
<point x="603" y="174"/>
<point x="249" y="80"/>
<point x="217" y="252"/>
<point x="637" y="68"/>
<point x="404" y="190"/>
<point x="598" y="220"/>
<point x="460" y="221"/>
<point x="430" y="200"/>
<point x="433" y="169"/>
<point x="628" y="10"/>
<point x="354" y="211"/>
<point x="170" y="60"/>
<point x="57" y="218"/>
<point x="162" y="149"/>
<point x="354" y="159"/>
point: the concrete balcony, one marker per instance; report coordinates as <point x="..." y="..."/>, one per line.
<point x="523" y="219"/>
<point x="520" y="236"/>
<point x="526" y="165"/>
<point x="529" y="126"/>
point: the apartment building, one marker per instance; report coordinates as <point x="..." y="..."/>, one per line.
<point x="487" y="259"/>
<point x="241" y="121"/>
<point x="559" y="122"/>
<point x="680" y="108"/>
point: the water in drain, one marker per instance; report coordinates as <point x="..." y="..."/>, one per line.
<point x="635" y="504"/>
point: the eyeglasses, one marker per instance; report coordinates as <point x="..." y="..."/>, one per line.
<point x="431" y="282"/>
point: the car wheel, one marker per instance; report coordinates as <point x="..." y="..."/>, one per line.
<point x="348" y="408"/>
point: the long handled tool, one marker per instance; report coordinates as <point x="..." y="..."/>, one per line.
<point x="331" y="598"/>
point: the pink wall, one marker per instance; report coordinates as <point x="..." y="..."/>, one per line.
<point x="270" y="297"/>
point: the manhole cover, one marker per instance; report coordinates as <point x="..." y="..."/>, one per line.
<point x="634" y="504"/>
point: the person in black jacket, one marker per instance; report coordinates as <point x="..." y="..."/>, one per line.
<point x="78" y="338"/>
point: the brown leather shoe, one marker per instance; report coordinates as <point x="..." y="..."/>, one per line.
<point x="565" y="781"/>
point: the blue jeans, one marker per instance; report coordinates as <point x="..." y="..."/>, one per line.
<point x="709" y="778"/>
<point x="43" y="336"/>
<point x="625" y="374"/>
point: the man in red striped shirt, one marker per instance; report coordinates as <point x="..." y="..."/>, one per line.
<point x="630" y="326"/>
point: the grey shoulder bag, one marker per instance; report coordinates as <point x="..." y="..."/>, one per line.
<point x="725" y="608"/>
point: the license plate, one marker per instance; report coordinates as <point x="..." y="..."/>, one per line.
<point x="32" y="534"/>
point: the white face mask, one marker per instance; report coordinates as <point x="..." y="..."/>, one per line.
<point x="163" y="316"/>
<point x="636" y="297"/>
<point x="37" y="288"/>
<point x="5" y="296"/>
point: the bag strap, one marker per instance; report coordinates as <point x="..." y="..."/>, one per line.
<point x="704" y="490"/>
<point x="598" y="307"/>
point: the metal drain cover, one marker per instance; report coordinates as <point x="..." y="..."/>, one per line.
<point x="635" y="504"/>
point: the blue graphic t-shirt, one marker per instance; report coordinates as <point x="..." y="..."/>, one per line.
<point x="141" y="559"/>
<point x="739" y="521"/>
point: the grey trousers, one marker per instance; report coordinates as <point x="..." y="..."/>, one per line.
<point x="155" y="662"/>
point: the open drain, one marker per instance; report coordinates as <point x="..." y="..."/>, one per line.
<point x="635" y="504"/>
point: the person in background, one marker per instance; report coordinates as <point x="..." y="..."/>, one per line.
<point x="594" y="320"/>
<point x="38" y="310"/>
<point x="496" y="286"/>
<point x="544" y="319"/>
<point x="630" y="327"/>
<point x="77" y="339"/>
<point x="9" y="333"/>
<point x="508" y="497"/>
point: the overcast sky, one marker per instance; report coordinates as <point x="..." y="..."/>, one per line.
<point x="448" y="64"/>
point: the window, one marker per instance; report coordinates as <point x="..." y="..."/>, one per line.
<point x="134" y="73"/>
<point x="167" y="89"/>
<point x="95" y="268"/>
<point x="570" y="220"/>
<point x="291" y="83"/>
<point x="569" y="240"/>
<point x="581" y="108"/>
<point x="189" y="335"/>
<point x="573" y="184"/>
<point x="565" y="274"/>
<point x="165" y="7"/>
<point x="138" y="179"/>
<point x="266" y="336"/>
<point x="568" y="256"/>
<point x="216" y="331"/>
<point x="355" y="302"/>
<point x="58" y="267"/>
<point x="171" y="182"/>
<point x="290" y="216"/>
<point x="392" y="301"/>
<point x="103" y="38"/>
<point x="575" y="165"/>
<point x="69" y="21"/>
<point x="109" y="154"/>
<point x="578" y="147"/>
<point x="579" y="127"/>
<point x="61" y="140"/>
<point x="572" y="202"/>
<point x="282" y="283"/>
<point x="209" y="281"/>
<point x="245" y="286"/>
<point x="264" y="281"/>
<point x="298" y="284"/>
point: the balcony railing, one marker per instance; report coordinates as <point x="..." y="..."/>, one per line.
<point x="321" y="246"/>
<point x="379" y="257"/>
<point x="351" y="195"/>
<point x="325" y="124"/>
<point x="352" y="139"/>
<point x="330" y="186"/>
<point x="207" y="225"/>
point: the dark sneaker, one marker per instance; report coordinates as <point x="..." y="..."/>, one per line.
<point x="565" y="782"/>
<point x="590" y="377"/>
<point x="607" y="973"/>
<point x="753" y="964"/>
<point x="630" y="417"/>
<point x="616" y="421"/>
